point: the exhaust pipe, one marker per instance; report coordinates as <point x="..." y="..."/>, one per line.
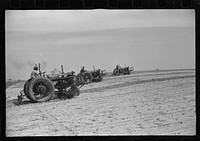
<point x="62" y="70"/>
<point x="39" y="70"/>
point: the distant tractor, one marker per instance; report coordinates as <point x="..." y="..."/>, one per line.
<point x="84" y="78"/>
<point x="90" y="76"/>
<point x="122" y="71"/>
<point x="97" y="75"/>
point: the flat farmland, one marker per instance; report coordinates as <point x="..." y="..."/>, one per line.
<point x="143" y="103"/>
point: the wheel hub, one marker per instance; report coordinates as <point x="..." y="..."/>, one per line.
<point x="41" y="89"/>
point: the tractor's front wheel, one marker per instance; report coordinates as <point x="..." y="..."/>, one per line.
<point x="40" y="89"/>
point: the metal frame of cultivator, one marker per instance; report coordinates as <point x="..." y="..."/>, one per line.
<point x="43" y="87"/>
<point x="122" y="71"/>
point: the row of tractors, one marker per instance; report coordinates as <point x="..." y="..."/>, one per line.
<point x="64" y="85"/>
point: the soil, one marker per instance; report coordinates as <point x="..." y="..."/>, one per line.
<point x="145" y="103"/>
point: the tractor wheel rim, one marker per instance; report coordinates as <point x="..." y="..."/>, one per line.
<point x="41" y="90"/>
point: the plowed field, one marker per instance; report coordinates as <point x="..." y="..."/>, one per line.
<point x="145" y="103"/>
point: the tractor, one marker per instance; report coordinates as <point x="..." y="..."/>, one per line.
<point x="122" y="71"/>
<point x="85" y="77"/>
<point x="96" y="75"/>
<point x="44" y="87"/>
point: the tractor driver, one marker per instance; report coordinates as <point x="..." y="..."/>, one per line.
<point x="82" y="70"/>
<point x="35" y="72"/>
<point x="72" y="72"/>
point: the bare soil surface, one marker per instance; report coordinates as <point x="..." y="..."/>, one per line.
<point x="146" y="103"/>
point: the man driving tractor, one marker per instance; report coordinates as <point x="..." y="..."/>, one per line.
<point x="82" y="69"/>
<point x="35" y="72"/>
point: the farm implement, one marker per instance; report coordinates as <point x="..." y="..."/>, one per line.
<point x="122" y="71"/>
<point x="44" y="87"/>
<point x="90" y="76"/>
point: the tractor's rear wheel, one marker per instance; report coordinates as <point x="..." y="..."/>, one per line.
<point x="79" y="79"/>
<point x="83" y="78"/>
<point x="40" y="89"/>
<point x="116" y="72"/>
<point x="87" y="77"/>
<point x="26" y="87"/>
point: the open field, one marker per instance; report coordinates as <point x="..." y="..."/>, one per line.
<point x="143" y="103"/>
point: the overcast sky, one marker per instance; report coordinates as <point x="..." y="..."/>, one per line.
<point x="144" y="39"/>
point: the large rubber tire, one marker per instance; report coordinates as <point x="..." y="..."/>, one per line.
<point x="79" y="79"/>
<point x="26" y="87"/>
<point x="47" y="83"/>
<point x="76" y="90"/>
<point x="87" y="77"/>
<point x="116" y="72"/>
